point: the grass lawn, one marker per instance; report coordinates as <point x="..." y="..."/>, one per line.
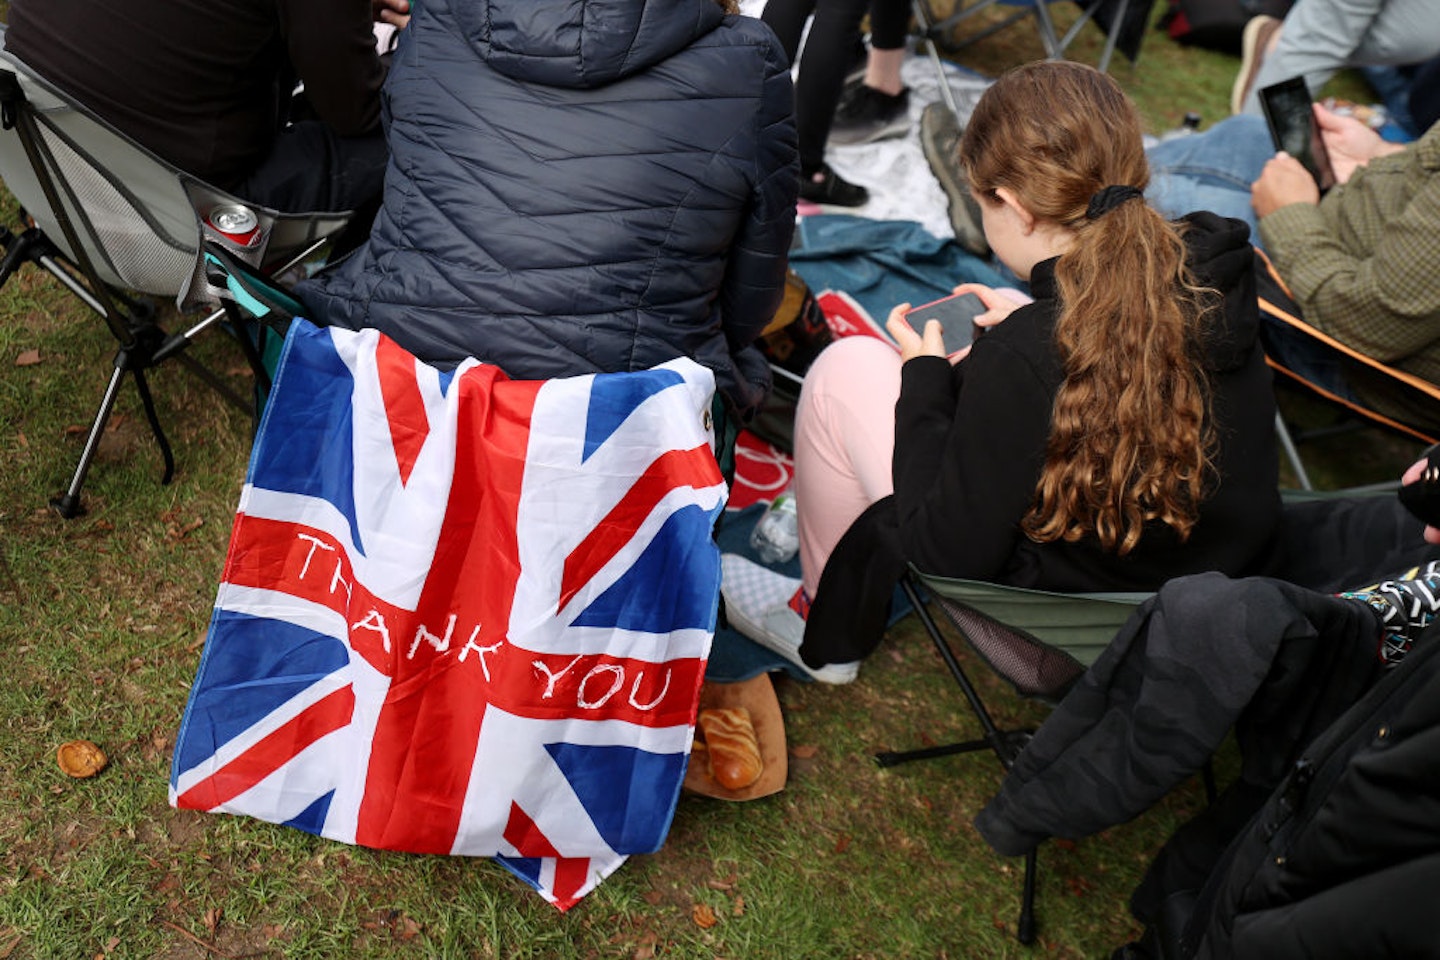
<point x="101" y="624"/>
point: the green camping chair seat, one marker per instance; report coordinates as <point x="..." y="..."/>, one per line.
<point x="1037" y="640"/>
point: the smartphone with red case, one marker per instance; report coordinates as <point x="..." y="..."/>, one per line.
<point x="956" y="314"/>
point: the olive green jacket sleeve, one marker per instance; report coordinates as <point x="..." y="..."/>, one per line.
<point x="1364" y="265"/>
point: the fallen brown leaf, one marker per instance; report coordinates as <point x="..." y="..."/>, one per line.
<point x="181" y="531"/>
<point x="80" y="758"/>
<point x="737" y="909"/>
<point x="843" y="843"/>
<point x="27" y="358"/>
<point x="211" y="919"/>
<point x="703" y="916"/>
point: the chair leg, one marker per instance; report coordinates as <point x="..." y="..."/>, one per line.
<point x="1287" y="444"/>
<point x="68" y="503"/>
<point x="1006" y="745"/>
<point x="1025" y="923"/>
<point x="1113" y="36"/>
<point x="922" y="19"/>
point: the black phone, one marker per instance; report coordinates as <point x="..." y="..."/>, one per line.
<point x="956" y="314"/>
<point x="1422" y="496"/>
<point x="1289" y="113"/>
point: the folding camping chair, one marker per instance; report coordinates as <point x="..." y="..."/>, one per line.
<point x="1123" y="22"/>
<point x="110" y="220"/>
<point x="1039" y="641"/>
<point x="1277" y="307"/>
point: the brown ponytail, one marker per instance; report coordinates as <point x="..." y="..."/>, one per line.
<point x="1130" y="436"/>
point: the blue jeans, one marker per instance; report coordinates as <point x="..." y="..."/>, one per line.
<point x="1211" y="170"/>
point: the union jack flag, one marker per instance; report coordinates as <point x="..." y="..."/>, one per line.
<point x="462" y="614"/>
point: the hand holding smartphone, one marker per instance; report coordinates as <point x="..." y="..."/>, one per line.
<point x="1421" y="496"/>
<point x="1291" y="118"/>
<point x="956" y="314"/>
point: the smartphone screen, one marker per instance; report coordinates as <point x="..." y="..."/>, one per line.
<point x="1287" y="107"/>
<point x="956" y="314"/>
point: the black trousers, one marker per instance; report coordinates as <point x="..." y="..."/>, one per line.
<point x="829" y="50"/>
<point x="310" y="169"/>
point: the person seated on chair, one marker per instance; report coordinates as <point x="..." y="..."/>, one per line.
<point x="206" y="86"/>
<point x="1362" y="262"/>
<point x="1319" y="37"/>
<point x="1114" y="433"/>
<point x="580" y="187"/>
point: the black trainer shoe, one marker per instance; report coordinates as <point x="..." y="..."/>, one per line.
<point x="869" y="115"/>
<point x="829" y="189"/>
<point x="1406" y="606"/>
<point x="940" y="140"/>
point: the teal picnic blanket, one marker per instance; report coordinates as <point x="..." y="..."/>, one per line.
<point x="880" y="263"/>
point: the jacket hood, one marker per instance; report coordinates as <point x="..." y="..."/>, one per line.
<point x="1222" y="259"/>
<point x="580" y="44"/>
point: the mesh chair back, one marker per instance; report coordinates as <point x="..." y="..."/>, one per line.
<point x="138" y="219"/>
<point x="1039" y="641"/>
<point x="1031" y="667"/>
<point x="137" y="224"/>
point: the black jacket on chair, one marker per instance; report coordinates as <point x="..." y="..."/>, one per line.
<point x="579" y="187"/>
<point x="1344" y="858"/>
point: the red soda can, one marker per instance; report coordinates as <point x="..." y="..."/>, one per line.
<point x="236" y="225"/>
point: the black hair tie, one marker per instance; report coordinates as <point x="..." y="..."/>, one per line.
<point x="1110" y="198"/>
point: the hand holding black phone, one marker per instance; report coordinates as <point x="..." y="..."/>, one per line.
<point x="956" y="314"/>
<point x="1291" y="117"/>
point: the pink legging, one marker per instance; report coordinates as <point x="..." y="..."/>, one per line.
<point x="844" y="438"/>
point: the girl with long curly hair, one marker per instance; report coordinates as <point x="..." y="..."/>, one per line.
<point x="1113" y="433"/>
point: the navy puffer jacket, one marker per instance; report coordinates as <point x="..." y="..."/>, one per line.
<point x="579" y="186"/>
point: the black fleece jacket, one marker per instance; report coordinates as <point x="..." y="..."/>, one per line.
<point x="970" y="444"/>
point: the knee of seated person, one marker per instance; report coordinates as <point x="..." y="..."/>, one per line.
<point x="852" y="357"/>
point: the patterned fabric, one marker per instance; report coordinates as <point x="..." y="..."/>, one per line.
<point x="462" y="614"/>
<point x="1405" y="605"/>
<point x="1364" y="265"/>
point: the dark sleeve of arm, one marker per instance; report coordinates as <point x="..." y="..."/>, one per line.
<point x="969" y="443"/>
<point x="755" y="272"/>
<point x="332" y="47"/>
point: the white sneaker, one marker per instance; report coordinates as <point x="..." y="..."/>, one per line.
<point x="757" y="601"/>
